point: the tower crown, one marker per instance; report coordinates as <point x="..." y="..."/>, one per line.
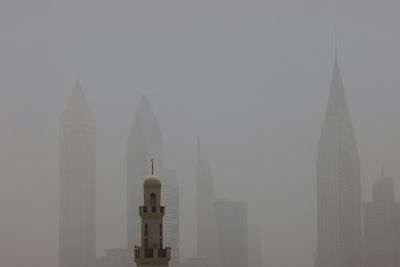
<point x="77" y="100"/>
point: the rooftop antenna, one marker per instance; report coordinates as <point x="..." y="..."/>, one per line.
<point x="383" y="171"/>
<point x="152" y="167"/>
<point x="335" y="40"/>
<point x="77" y="73"/>
<point x="198" y="148"/>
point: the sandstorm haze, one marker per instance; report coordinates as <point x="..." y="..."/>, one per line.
<point x="250" y="78"/>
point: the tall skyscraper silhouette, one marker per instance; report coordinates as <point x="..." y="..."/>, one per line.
<point x="77" y="183"/>
<point x="382" y="226"/>
<point x="232" y="232"/>
<point x="254" y="247"/>
<point x="145" y="143"/>
<point x="207" y="238"/>
<point x="338" y="184"/>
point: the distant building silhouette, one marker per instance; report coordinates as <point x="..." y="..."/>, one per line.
<point x="145" y="142"/>
<point x="207" y="238"/>
<point x="118" y="257"/>
<point x="232" y="232"/>
<point x="152" y="253"/>
<point x="254" y="247"/>
<point x="194" y="263"/>
<point x="338" y="184"/>
<point x="382" y="226"/>
<point x="77" y="183"/>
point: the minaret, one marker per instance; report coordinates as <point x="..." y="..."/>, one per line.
<point x="152" y="253"/>
<point x="145" y="141"/>
<point x="338" y="183"/>
<point x="77" y="241"/>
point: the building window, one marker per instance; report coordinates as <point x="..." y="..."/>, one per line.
<point x="161" y="230"/>
<point x="146" y="243"/>
<point x="153" y="200"/>
<point x="146" y="230"/>
<point x="161" y="244"/>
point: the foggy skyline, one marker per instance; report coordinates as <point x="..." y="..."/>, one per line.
<point x="250" y="78"/>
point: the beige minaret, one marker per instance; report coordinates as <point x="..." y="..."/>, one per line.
<point x="152" y="252"/>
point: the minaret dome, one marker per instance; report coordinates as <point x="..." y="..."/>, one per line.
<point x="152" y="181"/>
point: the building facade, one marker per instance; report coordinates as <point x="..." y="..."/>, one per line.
<point x="152" y="253"/>
<point x="207" y="238"/>
<point x="77" y="237"/>
<point x="338" y="184"/>
<point x="194" y="263"/>
<point x="144" y="143"/>
<point x="117" y="257"/>
<point x="232" y="230"/>
<point x="382" y="226"/>
<point x="254" y="246"/>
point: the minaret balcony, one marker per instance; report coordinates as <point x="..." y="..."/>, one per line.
<point x="152" y="254"/>
<point x="149" y="211"/>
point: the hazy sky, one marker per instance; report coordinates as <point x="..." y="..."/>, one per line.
<point x="249" y="77"/>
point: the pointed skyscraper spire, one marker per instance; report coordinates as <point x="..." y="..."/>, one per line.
<point x="338" y="182"/>
<point x="77" y="100"/>
<point x="337" y="103"/>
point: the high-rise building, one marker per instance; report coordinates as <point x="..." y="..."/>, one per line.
<point x="254" y="246"/>
<point x="77" y="183"/>
<point x="338" y="184"/>
<point x="145" y="143"/>
<point x="207" y="238"/>
<point x="194" y="263"/>
<point x="232" y="232"/>
<point x="170" y="197"/>
<point x="117" y="257"/>
<point x="382" y="226"/>
<point x="152" y="253"/>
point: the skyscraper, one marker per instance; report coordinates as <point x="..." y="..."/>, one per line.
<point x="382" y="226"/>
<point x="77" y="183"/>
<point x="117" y="257"/>
<point x="152" y="252"/>
<point x="207" y="239"/>
<point x="254" y="247"/>
<point x="145" y="143"/>
<point x="232" y="232"/>
<point x="338" y="184"/>
<point x="170" y="196"/>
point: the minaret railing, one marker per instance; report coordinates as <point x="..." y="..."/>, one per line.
<point x="141" y="253"/>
